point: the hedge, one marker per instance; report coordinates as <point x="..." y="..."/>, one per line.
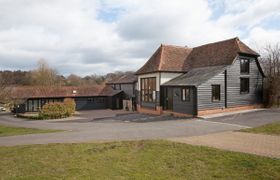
<point x="58" y="110"/>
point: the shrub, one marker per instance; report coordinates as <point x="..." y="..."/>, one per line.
<point x="58" y="110"/>
<point x="70" y="106"/>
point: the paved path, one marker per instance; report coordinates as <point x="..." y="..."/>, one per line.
<point x="115" y="130"/>
<point x="264" y="145"/>
<point x="110" y="130"/>
<point x="252" y="119"/>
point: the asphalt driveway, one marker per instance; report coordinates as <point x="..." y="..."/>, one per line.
<point x="115" y="129"/>
<point x="251" y="119"/>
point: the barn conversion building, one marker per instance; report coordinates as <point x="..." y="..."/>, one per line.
<point x="212" y="78"/>
<point x="33" y="98"/>
<point x="216" y="77"/>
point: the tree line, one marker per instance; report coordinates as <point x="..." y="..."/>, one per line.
<point x="44" y="75"/>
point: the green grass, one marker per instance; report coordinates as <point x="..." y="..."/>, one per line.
<point x="132" y="160"/>
<point x="12" y="131"/>
<point x="271" y="129"/>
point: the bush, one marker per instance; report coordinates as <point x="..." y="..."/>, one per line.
<point x="58" y="110"/>
<point x="70" y="106"/>
<point x="30" y="117"/>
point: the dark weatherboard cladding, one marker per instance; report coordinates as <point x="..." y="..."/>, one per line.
<point x="221" y="75"/>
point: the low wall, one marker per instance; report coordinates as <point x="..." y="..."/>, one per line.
<point x="157" y="111"/>
<point x="232" y="109"/>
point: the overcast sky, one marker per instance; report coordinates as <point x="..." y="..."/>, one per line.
<point x="99" y="36"/>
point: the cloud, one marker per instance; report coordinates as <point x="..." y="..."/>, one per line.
<point x="99" y="36"/>
<point x="259" y="37"/>
<point x="256" y="11"/>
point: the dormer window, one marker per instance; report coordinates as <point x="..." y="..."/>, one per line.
<point x="244" y="66"/>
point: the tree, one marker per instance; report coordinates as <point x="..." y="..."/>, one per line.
<point x="4" y="90"/>
<point x="16" y="77"/>
<point x="89" y="80"/>
<point x="44" y="75"/>
<point x="271" y="64"/>
<point x="74" y="80"/>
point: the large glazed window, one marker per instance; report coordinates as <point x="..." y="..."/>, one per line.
<point x="148" y="89"/>
<point x="216" y="93"/>
<point x="244" y="85"/>
<point x="244" y="66"/>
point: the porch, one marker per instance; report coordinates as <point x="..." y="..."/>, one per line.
<point x="174" y="100"/>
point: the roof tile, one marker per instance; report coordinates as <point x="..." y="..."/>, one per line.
<point x="63" y="91"/>
<point x="182" y="59"/>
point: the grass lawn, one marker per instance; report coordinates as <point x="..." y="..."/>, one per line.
<point x="132" y="160"/>
<point x="272" y="129"/>
<point x="11" y="131"/>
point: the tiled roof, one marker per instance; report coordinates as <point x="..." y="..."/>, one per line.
<point x="125" y="79"/>
<point x="182" y="59"/>
<point x="216" y="54"/>
<point x="166" y="58"/>
<point x="63" y="91"/>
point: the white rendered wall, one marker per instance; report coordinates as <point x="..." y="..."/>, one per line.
<point x="161" y="78"/>
<point x="168" y="76"/>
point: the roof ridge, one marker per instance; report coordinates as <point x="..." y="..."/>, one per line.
<point x="236" y="43"/>
<point x="216" y="42"/>
<point x="160" y="57"/>
<point x="175" y="46"/>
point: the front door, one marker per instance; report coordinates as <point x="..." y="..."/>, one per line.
<point x="169" y="98"/>
<point x="117" y="103"/>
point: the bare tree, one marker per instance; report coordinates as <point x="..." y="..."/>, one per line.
<point x="44" y="75"/>
<point x="271" y="63"/>
<point x="4" y="92"/>
<point x="74" y="80"/>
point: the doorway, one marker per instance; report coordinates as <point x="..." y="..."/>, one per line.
<point x="167" y="97"/>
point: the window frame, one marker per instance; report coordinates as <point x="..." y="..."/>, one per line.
<point x="246" y="69"/>
<point x="185" y="94"/>
<point x="148" y="89"/>
<point x="214" y="93"/>
<point x="247" y="85"/>
<point x="117" y="87"/>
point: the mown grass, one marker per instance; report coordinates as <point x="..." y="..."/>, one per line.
<point x="12" y="131"/>
<point x="132" y="160"/>
<point x="271" y="129"/>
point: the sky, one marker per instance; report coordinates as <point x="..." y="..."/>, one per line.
<point x="87" y="37"/>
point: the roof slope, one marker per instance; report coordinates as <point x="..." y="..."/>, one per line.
<point x="217" y="54"/>
<point x="125" y="79"/>
<point x="182" y="59"/>
<point x="196" y="76"/>
<point x="166" y="58"/>
<point x="63" y="91"/>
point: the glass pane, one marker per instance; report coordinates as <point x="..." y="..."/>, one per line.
<point x="188" y="94"/>
<point x="183" y="94"/>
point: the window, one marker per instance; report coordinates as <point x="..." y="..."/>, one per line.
<point x="90" y="99"/>
<point x="148" y="89"/>
<point x="185" y="94"/>
<point x="216" y="92"/>
<point x="117" y="86"/>
<point x="244" y="85"/>
<point x="244" y="66"/>
<point x="100" y="99"/>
